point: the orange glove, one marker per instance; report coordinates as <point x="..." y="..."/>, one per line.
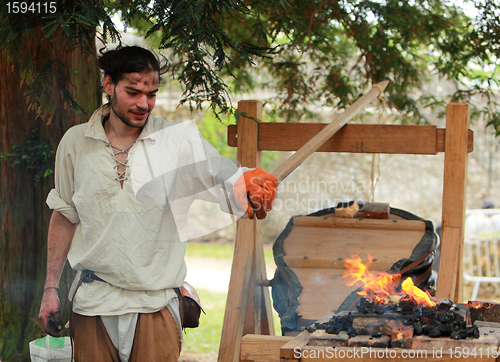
<point x="255" y="190"/>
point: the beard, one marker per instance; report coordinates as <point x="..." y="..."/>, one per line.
<point x="121" y="114"/>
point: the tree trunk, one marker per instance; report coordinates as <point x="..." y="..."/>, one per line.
<point x="24" y="216"/>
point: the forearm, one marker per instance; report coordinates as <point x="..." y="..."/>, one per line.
<point x="59" y="238"/>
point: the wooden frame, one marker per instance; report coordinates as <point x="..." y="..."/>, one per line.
<point x="248" y="308"/>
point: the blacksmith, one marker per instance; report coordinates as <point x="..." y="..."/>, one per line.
<point x="124" y="182"/>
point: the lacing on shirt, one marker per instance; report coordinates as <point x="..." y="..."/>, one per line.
<point x="120" y="175"/>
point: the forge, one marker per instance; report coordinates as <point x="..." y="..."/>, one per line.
<point x="309" y="252"/>
<point x="379" y="297"/>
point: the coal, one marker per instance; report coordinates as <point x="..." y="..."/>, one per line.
<point x="438" y="321"/>
<point x="441" y="320"/>
<point x="444" y="306"/>
<point x="367" y="306"/>
<point x="335" y="325"/>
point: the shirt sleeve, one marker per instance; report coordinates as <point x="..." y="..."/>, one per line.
<point x="214" y="175"/>
<point x="60" y="197"/>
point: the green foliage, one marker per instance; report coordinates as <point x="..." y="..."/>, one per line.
<point x="215" y="132"/>
<point x="48" y="81"/>
<point x="330" y="52"/>
<point x="36" y="155"/>
<point x="307" y="52"/>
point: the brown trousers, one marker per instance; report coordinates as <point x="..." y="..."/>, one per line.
<point x="156" y="338"/>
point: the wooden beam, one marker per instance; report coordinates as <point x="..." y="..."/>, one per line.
<point x="249" y="154"/>
<point x="263" y="313"/>
<point x="375" y="224"/>
<point x="353" y="138"/>
<point x="288" y="351"/>
<point x="239" y="316"/>
<point x="454" y="193"/>
<point x="259" y="348"/>
<point x="237" y="296"/>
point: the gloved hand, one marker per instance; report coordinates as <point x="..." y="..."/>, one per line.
<point x="255" y="190"/>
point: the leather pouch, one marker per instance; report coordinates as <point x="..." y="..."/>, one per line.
<point x="190" y="306"/>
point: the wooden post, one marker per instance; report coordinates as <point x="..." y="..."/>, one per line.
<point x="450" y="280"/>
<point x="245" y="304"/>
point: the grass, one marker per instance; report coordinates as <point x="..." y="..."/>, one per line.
<point x="224" y="251"/>
<point x="206" y="338"/>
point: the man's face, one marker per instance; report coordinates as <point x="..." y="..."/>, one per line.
<point x="133" y="98"/>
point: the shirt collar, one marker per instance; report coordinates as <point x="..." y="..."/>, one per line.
<point x="95" y="128"/>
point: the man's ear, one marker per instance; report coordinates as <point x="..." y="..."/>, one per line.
<point x="107" y="85"/>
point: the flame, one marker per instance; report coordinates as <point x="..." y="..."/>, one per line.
<point x="381" y="287"/>
<point x="418" y="294"/>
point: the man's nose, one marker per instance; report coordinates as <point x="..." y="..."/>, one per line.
<point x="142" y="102"/>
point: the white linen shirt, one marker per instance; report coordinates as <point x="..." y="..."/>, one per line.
<point x="135" y="244"/>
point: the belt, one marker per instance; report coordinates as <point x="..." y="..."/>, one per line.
<point x="87" y="276"/>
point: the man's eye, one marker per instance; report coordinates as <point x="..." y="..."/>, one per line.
<point x="132" y="93"/>
<point x="152" y="95"/>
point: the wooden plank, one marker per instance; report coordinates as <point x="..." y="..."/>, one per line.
<point x="441" y="140"/>
<point x="288" y="351"/>
<point x="448" y="262"/>
<point x="331" y="262"/>
<point x="240" y="305"/>
<point x="265" y="324"/>
<point x="484" y="342"/>
<point x="454" y="193"/>
<point x="237" y="296"/>
<point x="354" y="138"/>
<point x="250" y="323"/>
<point x="248" y="152"/>
<point x="259" y="314"/>
<point x="321" y="338"/>
<point x="260" y="348"/>
<point x="374" y="224"/>
<point x="335" y="245"/>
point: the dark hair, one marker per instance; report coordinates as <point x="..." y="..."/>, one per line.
<point x="129" y="59"/>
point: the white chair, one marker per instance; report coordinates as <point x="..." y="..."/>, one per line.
<point x="481" y="262"/>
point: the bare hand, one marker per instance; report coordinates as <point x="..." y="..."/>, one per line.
<point x="50" y="313"/>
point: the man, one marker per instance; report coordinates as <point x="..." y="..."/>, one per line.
<point x="124" y="182"/>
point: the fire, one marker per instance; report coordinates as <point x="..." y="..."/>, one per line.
<point x="422" y="297"/>
<point x="381" y="287"/>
